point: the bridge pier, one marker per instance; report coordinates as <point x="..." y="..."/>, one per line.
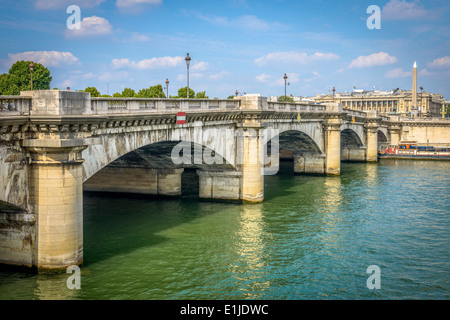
<point x="394" y="134"/>
<point x="150" y="181"/>
<point x="309" y="163"/>
<point x="372" y="142"/>
<point x="219" y="185"/>
<point x="357" y="154"/>
<point x="56" y="198"/>
<point x="250" y="156"/>
<point x="332" y="129"/>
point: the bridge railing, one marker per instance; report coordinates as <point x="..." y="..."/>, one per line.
<point x="145" y="105"/>
<point x="15" y="105"/>
<point x="293" y="107"/>
<point x="355" y="113"/>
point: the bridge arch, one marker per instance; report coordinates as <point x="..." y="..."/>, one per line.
<point x="350" y="138"/>
<point x="219" y="139"/>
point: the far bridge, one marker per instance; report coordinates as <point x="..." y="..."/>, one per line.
<point x="54" y="144"/>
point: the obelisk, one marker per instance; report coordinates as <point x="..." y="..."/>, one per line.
<point x="414" y="87"/>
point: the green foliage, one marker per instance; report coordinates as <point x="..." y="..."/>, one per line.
<point x="117" y="95"/>
<point x="182" y="93"/>
<point x="128" y="93"/>
<point x="448" y="109"/>
<point x="230" y="97"/>
<point x="201" y="95"/>
<point x="152" y="92"/>
<point x="18" y="78"/>
<point x="93" y="91"/>
<point x="285" y="99"/>
<point x="105" y="96"/>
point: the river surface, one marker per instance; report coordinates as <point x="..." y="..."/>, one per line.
<point x="313" y="238"/>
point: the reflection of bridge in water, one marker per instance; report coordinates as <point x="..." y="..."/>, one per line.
<point x="55" y="143"/>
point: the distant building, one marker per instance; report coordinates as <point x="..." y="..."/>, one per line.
<point x="401" y="102"/>
<point x="392" y="102"/>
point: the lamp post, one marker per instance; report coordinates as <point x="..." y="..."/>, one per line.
<point x="31" y="70"/>
<point x="285" y="79"/>
<point x="167" y="87"/>
<point x="188" y="61"/>
<point x="334" y="90"/>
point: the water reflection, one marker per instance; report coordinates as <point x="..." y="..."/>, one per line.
<point x="250" y="246"/>
<point x="54" y="287"/>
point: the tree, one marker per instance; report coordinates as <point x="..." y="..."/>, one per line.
<point x="231" y="97"/>
<point x="128" y="93"/>
<point x="152" y="92"/>
<point x="285" y="99"/>
<point x="201" y="95"/>
<point x="18" y="78"/>
<point x="182" y="93"/>
<point x="93" y="91"/>
<point x="117" y="95"/>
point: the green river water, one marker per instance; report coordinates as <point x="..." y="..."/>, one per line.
<point x="313" y="237"/>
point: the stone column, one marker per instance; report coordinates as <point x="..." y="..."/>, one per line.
<point x="219" y="185"/>
<point x="309" y="163"/>
<point x="332" y="135"/>
<point x="249" y="158"/>
<point x="394" y="134"/>
<point x="56" y="197"/>
<point x="372" y="142"/>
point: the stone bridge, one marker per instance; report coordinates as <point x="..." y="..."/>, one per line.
<point x="54" y="144"/>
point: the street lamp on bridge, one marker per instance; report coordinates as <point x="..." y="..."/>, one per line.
<point x="285" y="83"/>
<point x="188" y="62"/>
<point x="167" y="87"/>
<point x="31" y="70"/>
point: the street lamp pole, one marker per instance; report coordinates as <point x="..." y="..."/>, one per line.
<point x="167" y="87"/>
<point x="285" y="78"/>
<point x="188" y="61"/>
<point x="31" y="70"/>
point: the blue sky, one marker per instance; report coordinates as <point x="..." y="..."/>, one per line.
<point x="239" y="45"/>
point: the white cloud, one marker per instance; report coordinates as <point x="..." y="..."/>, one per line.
<point x="425" y="72"/>
<point x="91" y="26"/>
<point x="59" y="4"/>
<point x="219" y="75"/>
<point x="134" y="3"/>
<point x="46" y="58"/>
<point x="403" y="10"/>
<point x="200" y="66"/>
<point x="315" y="76"/>
<point x="443" y="62"/>
<point x="262" y="77"/>
<point x="340" y="70"/>
<point x="148" y="63"/>
<point x="294" y="56"/>
<point x="398" y="73"/>
<point x="375" y="59"/>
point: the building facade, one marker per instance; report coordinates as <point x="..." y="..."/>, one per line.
<point x="384" y="102"/>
